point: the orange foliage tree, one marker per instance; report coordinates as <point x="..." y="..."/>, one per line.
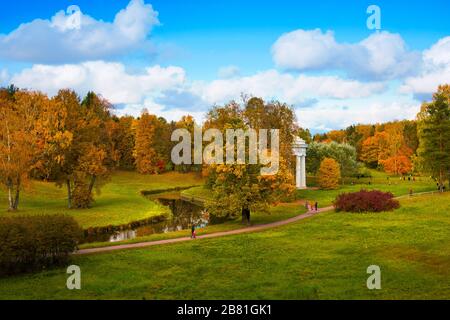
<point x="19" y="112"/>
<point x="329" y="174"/>
<point x="144" y="152"/>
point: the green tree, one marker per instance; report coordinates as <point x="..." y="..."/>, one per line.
<point x="434" y="135"/>
<point x="343" y="153"/>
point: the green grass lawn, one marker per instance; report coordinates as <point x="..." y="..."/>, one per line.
<point x="120" y="201"/>
<point x="378" y="181"/>
<point x="200" y="193"/>
<point x="323" y="257"/>
<point x="282" y="211"/>
<point x="325" y="198"/>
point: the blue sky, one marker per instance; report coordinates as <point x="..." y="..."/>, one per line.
<point x="184" y="56"/>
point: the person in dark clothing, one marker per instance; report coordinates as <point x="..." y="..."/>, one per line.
<point x="316" y="206"/>
<point x="193" y="235"/>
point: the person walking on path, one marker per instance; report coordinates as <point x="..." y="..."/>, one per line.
<point x="193" y="233"/>
<point x="316" y="206"/>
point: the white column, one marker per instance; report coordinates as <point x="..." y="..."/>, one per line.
<point x="303" y="173"/>
<point x="298" y="177"/>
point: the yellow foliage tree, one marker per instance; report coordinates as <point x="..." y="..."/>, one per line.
<point x="144" y="151"/>
<point x="329" y="174"/>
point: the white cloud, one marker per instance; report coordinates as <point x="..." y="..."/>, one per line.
<point x="380" y="56"/>
<point x="111" y="80"/>
<point x="73" y="36"/>
<point x="329" y="115"/>
<point x="436" y="70"/>
<point x="272" y="84"/>
<point x="167" y="92"/>
<point x="161" y="110"/>
<point x="439" y="53"/>
<point x="228" y="72"/>
<point x="305" y="49"/>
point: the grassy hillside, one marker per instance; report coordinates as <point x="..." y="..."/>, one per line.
<point x="120" y="201"/>
<point x="322" y="257"/>
<point x="379" y="181"/>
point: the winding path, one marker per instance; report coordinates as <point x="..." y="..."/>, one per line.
<point x="254" y="228"/>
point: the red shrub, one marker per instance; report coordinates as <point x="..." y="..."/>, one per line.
<point x="366" y="201"/>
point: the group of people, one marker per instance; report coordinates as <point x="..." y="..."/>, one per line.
<point x="311" y="206"/>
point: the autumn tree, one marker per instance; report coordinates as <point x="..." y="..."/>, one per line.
<point x="77" y="145"/>
<point x="145" y="154"/>
<point x="19" y="111"/>
<point x="188" y="123"/>
<point x="338" y="136"/>
<point x="370" y="150"/>
<point x="99" y="157"/>
<point x="240" y="189"/>
<point x="305" y="134"/>
<point x="123" y="138"/>
<point x="329" y="174"/>
<point x="388" y="149"/>
<point x="434" y="135"/>
<point x="397" y="165"/>
<point x="163" y="144"/>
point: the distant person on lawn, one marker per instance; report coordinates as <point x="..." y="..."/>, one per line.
<point x="193" y="233"/>
<point x="316" y="206"/>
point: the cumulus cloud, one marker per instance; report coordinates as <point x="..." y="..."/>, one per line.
<point x="111" y="80"/>
<point x="436" y="71"/>
<point x="328" y="116"/>
<point x="172" y="88"/>
<point x="272" y="84"/>
<point x="167" y="89"/>
<point x="73" y="36"/>
<point x="381" y="56"/>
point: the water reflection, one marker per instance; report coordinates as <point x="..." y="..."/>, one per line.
<point x="184" y="215"/>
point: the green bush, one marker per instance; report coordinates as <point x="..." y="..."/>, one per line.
<point x="29" y="243"/>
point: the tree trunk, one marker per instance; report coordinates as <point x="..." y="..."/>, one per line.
<point x="69" y="194"/>
<point x="10" y="197"/>
<point x="9" y="183"/>
<point x="246" y="216"/>
<point x="91" y="185"/>
<point x="16" y="199"/>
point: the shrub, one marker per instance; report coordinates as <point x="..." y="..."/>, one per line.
<point x="31" y="243"/>
<point x="329" y="174"/>
<point x="366" y="201"/>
